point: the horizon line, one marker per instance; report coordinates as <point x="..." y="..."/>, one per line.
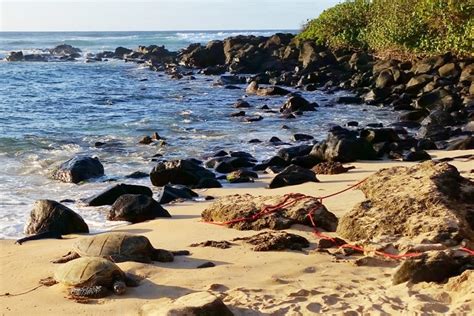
<point x="166" y="30"/>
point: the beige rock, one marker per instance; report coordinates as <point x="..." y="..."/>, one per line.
<point x="195" y="304"/>
<point x="427" y="203"/>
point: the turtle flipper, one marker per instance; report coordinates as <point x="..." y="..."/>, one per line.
<point x="43" y="235"/>
<point x="48" y="281"/>
<point x="71" y="255"/>
<point x="97" y="291"/>
<point x="132" y="280"/>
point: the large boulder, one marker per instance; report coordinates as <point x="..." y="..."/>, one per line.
<point x="79" y="168"/>
<point x="194" y="304"/>
<point x="136" y="208"/>
<point x="245" y="206"/>
<point x="433" y="266"/>
<point x="449" y="70"/>
<point x="438" y="99"/>
<point x="198" y="56"/>
<point x="184" y="172"/>
<point x="344" y="146"/>
<point x="427" y="203"/>
<point x="51" y="216"/>
<point x="292" y="175"/>
<point x="313" y="56"/>
<point x="385" y="79"/>
<point x="110" y="195"/>
<point x="418" y="82"/>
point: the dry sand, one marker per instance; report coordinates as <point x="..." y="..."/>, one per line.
<point x="250" y="283"/>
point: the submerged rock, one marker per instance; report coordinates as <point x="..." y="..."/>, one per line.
<point x="427" y="203"/>
<point x="78" y="169"/>
<point x="51" y="216"/>
<point x="136" y="208"/>
<point x="15" y="56"/>
<point x="297" y="103"/>
<point x="245" y="206"/>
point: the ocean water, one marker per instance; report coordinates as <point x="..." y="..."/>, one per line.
<point x="51" y="111"/>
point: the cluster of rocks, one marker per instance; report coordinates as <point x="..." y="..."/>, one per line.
<point x="59" y="53"/>
<point x="433" y="95"/>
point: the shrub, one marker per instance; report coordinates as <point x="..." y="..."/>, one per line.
<point x="340" y="26"/>
<point x="406" y="26"/>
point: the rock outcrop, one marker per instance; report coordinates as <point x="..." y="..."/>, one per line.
<point x="427" y="203"/>
<point x="245" y="206"/>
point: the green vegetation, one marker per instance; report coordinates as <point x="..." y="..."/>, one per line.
<point x="397" y="26"/>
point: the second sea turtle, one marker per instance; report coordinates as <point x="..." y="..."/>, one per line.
<point x="118" y="247"/>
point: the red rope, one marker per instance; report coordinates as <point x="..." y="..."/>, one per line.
<point x="342" y="191"/>
<point x="292" y="198"/>
<point x="469" y="251"/>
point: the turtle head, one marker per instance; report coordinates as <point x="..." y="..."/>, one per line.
<point x="119" y="287"/>
<point x="162" y="255"/>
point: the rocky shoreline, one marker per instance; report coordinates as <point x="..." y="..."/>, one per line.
<point x="432" y="96"/>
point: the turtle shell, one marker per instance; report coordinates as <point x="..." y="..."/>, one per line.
<point x="88" y="271"/>
<point x="119" y="246"/>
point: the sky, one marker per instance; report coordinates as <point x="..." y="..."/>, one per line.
<point x="157" y="15"/>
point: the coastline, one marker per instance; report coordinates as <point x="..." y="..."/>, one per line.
<point x="433" y="96"/>
<point x="269" y="282"/>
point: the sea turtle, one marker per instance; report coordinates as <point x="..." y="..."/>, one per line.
<point x="91" y="277"/>
<point x="118" y="247"/>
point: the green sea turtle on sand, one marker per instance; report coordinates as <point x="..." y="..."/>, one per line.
<point x="118" y="247"/>
<point x="91" y="277"/>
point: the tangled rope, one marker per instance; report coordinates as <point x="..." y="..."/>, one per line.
<point x="292" y="198"/>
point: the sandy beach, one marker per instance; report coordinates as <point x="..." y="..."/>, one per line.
<point x="249" y="283"/>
